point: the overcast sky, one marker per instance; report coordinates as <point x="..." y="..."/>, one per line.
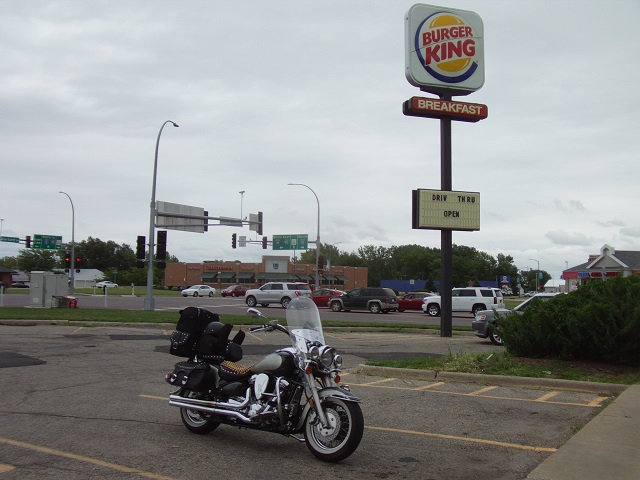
<point x="268" y="93"/>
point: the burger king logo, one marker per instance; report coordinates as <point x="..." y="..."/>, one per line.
<point x="444" y="50"/>
<point x="447" y="47"/>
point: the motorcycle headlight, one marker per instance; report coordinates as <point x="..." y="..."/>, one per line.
<point x="314" y="352"/>
<point x="327" y="355"/>
<point x="337" y="361"/>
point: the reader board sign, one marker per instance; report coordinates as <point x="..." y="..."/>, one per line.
<point x="441" y="209"/>
<point x="444" y="49"/>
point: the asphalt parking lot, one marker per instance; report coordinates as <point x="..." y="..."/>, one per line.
<point x="81" y="402"/>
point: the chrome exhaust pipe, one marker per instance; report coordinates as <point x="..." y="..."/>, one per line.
<point x="211" y="403"/>
<point x="207" y="409"/>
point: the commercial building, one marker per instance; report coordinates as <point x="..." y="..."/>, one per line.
<point x="609" y="263"/>
<point x="272" y="268"/>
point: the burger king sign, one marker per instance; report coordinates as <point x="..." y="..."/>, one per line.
<point x="444" y="50"/>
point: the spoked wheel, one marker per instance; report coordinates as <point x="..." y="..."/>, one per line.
<point x="196" y="421"/>
<point x="341" y="438"/>
<point x="495" y="338"/>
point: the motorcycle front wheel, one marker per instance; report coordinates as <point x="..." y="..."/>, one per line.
<point x="196" y="421"/>
<point x="341" y="438"/>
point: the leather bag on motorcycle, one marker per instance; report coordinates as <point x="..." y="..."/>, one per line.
<point x="189" y="329"/>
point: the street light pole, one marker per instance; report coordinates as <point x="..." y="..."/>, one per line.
<point x="317" y="236"/>
<point x="537" y="273"/>
<point x="73" y="244"/>
<point x="241" y="192"/>
<point x="149" y="302"/>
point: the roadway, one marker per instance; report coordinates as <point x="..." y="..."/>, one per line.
<point x="236" y="306"/>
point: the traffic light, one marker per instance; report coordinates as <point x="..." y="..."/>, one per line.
<point x="264" y="242"/>
<point x="259" y="230"/>
<point x="234" y="238"/>
<point x="206" y="221"/>
<point x="27" y="241"/>
<point x="161" y="247"/>
<point x="78" y="264"/>
<point x="161" y="265"/>
<point x="140" y="247"/>
<point x="67" y="261"/>
<point x="320" y="261"/>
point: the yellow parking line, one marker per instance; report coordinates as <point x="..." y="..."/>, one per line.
<point x="466" y="439"/>
<point x="481" y="391"/>
<point x="597" y="401"/>
<point x="426" y="387"/>
<point x="547" y="396"/>
<point x="378" y="382"/>
<point x="82" y="458"/>
<point x="6" y="468"/>
<point x="154" y="397"/>
<point x="593" y="403"/>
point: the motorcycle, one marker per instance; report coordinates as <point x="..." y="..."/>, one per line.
<point x="294" y="391"/>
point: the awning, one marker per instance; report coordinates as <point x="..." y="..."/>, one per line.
<point x="304" y="277"/>
<point x="245" y="275"/>
<point x="226" y="275"/>
<point x="208" y="276"/>
<point x="341" y="277"/>
<point x="329" y="278"/>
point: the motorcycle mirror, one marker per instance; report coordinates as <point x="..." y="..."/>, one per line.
<point x="255" y="313"/>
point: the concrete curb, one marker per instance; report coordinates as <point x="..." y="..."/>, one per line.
<point x="500" y="380"/>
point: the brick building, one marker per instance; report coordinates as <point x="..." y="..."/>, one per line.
<point x="272" y="268"/>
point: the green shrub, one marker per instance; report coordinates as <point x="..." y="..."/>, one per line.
<point x="599" y="321"/>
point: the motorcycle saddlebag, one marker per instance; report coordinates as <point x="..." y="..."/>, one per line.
<point x="196" y="376"/>
<point x="190" y="326"/>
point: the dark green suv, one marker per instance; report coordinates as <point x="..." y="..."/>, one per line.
<point x="375" y="300"/>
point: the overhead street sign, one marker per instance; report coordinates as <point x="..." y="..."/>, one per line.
<point x="10" y="239"/>
<point x="47" y="242"/>
<point x="290" y="242"/>
<point x="174" y="216"/>
<point x="437" y="209"/>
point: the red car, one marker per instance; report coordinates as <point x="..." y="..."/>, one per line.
<point x="411" y="301"/>
<point x="234" y="291"/>
<point x="321" y="297"/>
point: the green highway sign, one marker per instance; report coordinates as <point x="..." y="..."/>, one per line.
<point x="47" y="242"/>
<point x="10" y="239"/>
<point x="290" y="242"/>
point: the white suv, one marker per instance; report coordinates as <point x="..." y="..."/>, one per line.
<point x="468" y="300"/>
<point x="276" y="292"/>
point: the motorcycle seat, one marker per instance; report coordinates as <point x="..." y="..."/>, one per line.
<point x="232" y="371"/>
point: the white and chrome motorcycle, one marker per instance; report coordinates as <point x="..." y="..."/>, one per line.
<point x="294" y="391"/>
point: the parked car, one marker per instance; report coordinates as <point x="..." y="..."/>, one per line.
<point x="483" y="325"/>
<point x="106" y="284"/>
<point x="276" y="292"/>
<point x="19" y="285"/>
<point x="199" y="291"/>
<point x="467" y="300"/>
<point x="375" y="300"/>
<point x="411" y="301"/>
<point x="321" y="297"/>
<point x="234" y="291"/>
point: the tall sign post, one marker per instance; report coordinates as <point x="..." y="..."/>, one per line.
<point x="444" y="55"/>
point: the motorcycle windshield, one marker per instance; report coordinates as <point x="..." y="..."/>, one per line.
<point x="303" y="322"/>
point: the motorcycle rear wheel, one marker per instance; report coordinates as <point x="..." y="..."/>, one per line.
<point x="196" y="421"/>
<point x="342" y="437"/>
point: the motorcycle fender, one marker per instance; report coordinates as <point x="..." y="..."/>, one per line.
<point x="330" y="392"/>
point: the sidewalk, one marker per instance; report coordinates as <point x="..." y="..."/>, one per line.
<point x="607" y="447"/>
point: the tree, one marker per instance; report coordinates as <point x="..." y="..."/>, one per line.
<point x="30" y="260"/>
<point x="9" y="262"/>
